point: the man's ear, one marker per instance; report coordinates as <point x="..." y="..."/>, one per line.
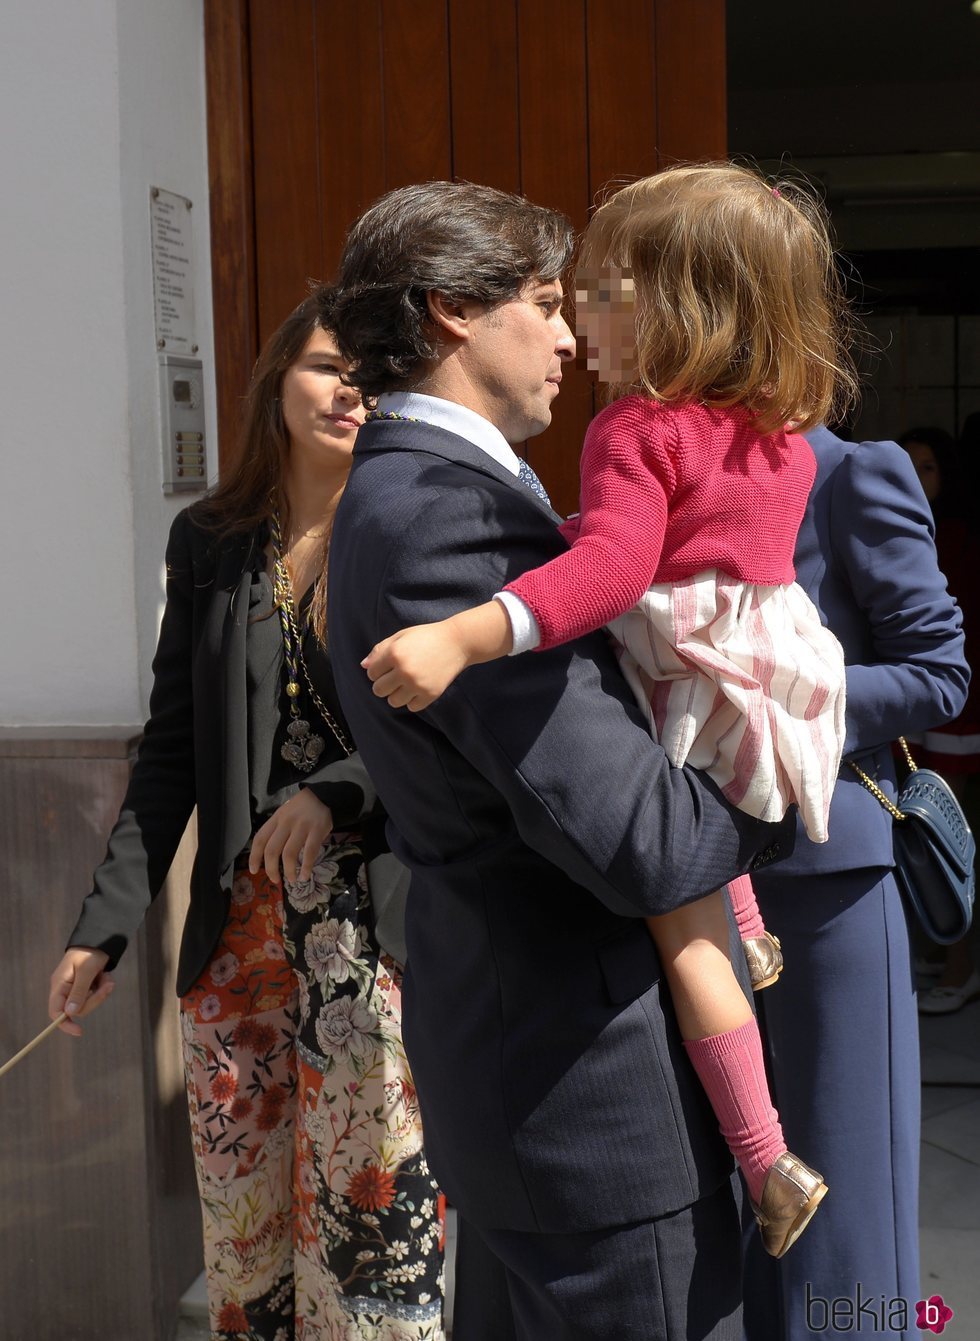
<point x="451" y="316"/>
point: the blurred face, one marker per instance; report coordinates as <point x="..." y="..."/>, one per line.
<point x="515" y="357"/>
<point x="927" y="468"/>
<point x="322" y="415"/>
<point x="605" y="322"/>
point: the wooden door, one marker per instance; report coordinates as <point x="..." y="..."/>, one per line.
<point x="316" y="107"/>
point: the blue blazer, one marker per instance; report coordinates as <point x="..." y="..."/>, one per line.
<point x="541" y="823"/>
<point x="866" y="557"/>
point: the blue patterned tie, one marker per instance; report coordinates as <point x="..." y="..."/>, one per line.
<point x="527" y="476"/>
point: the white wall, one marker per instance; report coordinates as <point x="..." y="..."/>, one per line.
<point x="99" y="101"/>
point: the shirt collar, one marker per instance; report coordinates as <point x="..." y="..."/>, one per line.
<point x="455" y="419"/>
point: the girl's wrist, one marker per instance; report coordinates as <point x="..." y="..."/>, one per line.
<point x="483" y="633"/>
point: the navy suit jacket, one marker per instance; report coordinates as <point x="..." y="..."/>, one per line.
<point x="541" y="823"/>
<point x="866" y="557"/>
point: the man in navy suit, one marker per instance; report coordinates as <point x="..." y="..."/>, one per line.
<point x="540" y="821"/>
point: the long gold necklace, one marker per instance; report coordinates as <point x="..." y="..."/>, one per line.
<point x="303" y="747"/>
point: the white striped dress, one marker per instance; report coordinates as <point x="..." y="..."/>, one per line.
<point x="745" y="683"/>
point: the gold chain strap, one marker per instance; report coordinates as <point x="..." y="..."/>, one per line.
<point x="318" y="702"/>
<point x="283" y="596"/>
<point x="876" y="791"/>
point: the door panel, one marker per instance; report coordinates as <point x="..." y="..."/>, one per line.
<point x="417" y="107"/>
<point x="230" y="179"/>
<point x="554" y="130"/>
<point x="483" y="61"/>
<point x="288" y="245"/>
<point x="622" y="91"/>
<point x="691" y="72"/>
<point x="349" y="119"/>
<point x="337" y="101"/>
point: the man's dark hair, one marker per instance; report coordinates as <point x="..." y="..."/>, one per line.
<point x="464" y="241"/>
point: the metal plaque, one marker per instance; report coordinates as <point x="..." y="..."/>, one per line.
<point x="173" y="271"/>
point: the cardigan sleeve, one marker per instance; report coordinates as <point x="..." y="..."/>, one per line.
<point x="627" y="478"/>
<point x="161" y="792"/>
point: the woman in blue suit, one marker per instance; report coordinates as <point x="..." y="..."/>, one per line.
<point x="841" y="1023"/>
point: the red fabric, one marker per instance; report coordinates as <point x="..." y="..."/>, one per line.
<point x="731" y="1069"/>
<point x="668" y="492"/>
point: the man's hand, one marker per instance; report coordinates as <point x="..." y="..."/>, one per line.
<point x="78" y="986"/>
<point x="301" y="824"/>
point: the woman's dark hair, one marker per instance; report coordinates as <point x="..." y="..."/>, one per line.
<point x="948" y="502"/>
<point x="968" y="456"/>
<point x="242" y="499"/>
<point x="464" y="241"/>
<point x="970" y="433"/>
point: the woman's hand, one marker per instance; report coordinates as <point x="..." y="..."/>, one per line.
<point x="78" y="986"/>
<point x="301" y="824"/>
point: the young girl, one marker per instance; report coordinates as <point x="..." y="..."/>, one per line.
<point x="709" y="300"/>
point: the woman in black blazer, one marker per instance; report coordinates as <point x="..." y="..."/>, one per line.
<point x="319" y="1212"/>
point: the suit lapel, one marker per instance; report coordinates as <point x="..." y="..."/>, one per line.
<point x="383" y="435"/>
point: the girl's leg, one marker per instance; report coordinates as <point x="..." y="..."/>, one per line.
<point x="747" y="916"/>
<point x="763" y="953"/>
<point x="238" y="1028"/>
<point x="720" y="1032"/>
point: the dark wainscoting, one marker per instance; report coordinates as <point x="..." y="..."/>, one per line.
<point x="99" y="1219"/>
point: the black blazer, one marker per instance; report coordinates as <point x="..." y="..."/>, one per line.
<point x="541" y="823"/>
<point x="195" y="752"/>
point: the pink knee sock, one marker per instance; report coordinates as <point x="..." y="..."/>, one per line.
<point x="745" y="908"/>
<point x="731" y="1069"/>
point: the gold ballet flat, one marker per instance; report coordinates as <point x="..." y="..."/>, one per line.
<point x="764" y="958"/>
<point x="791" y="1195"/>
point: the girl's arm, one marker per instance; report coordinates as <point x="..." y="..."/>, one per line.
<point x="416" y="666"/>
<point x="626" y="475"/>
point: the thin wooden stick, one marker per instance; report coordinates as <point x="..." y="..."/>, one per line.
<point x="7" y="1066"/>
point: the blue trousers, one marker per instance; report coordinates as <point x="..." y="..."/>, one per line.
<point x="843" y="1047"/>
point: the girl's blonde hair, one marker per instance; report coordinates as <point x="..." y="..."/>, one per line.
<point x="738" y="300"/>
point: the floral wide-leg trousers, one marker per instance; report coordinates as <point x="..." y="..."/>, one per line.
<point x="320" y="1216"/>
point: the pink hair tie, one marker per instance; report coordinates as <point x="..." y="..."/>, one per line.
<point x="776" y="192"/>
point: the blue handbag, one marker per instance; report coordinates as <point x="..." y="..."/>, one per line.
<point x="934" y="851"/>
